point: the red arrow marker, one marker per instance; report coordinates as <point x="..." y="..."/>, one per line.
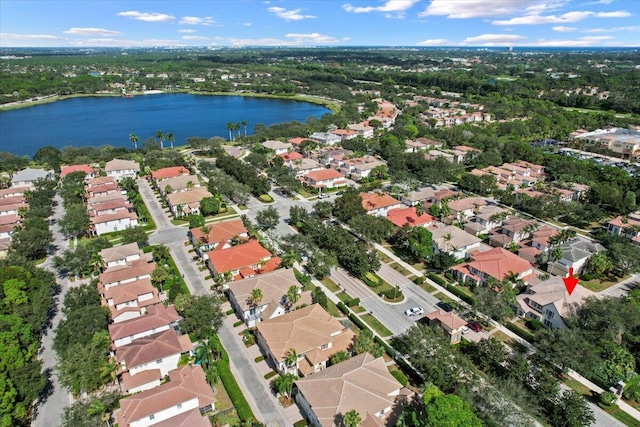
<point x="570" y="282"/>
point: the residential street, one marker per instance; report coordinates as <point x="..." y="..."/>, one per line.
<point x="253" y="385"/>
<point x="49" y="412"/>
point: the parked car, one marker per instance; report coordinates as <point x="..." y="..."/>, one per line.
<point x="414" y="311"/>
<point x="322" y="196"/>
<point x="474" y="326"/>
<point x="445" y="306"/>
<point x="465" y="330"/>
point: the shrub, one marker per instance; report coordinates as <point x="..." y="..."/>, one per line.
<point x="238" y="323"/>
<point x="607" y="398"/>
<point x="439" y="280"/>
<point x="390" y="294"/>
<point x="270" y="375"/>
<point x="461" y="294"/>
<point x="632" y="389"/>
<point x="343" y="308"/>
<point x="353" y="302"/>
<point x="301" y="423"/>
<point x="402" y="378"/>
<point x="233" y="390"/>
<point x="418" y="280"/>
<point x="372" y="280"/>
<point x="259" y="359"/>
<point x="357" y="321"/>
<point x="229" y="312"/>
<point x="520" y="332"/>
<point x="265" y="198"/>
<point x="534" y="324"/>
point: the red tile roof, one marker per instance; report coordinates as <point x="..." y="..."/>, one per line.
<point x="373" y="201"/>
<point x="169" y="172"/>
<point x="220" y="232"/>
<point x="324" y="175"/>
<point x="294" y="155"/>
<point x="66" y="170"/>
<point x="401" y="216"/>
<point x="497" y="263"/>
<point x="236" y="257"/>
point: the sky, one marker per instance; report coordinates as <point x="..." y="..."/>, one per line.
<point x="238" y="23"/>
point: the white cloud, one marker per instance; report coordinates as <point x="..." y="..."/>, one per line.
<point x="612" y="30"/>
<point x="569" y="17"/>
<point x="581" y="42"/>
<point x="493" y="39"/>
<point x="434" y="42"/>
<point x="485" y="8"/>
<point x="312" y="38"/>
<point x="289" y="15"/>
<point x="194" y="38"/>
<point x="91" y="32"/>
<point x="247" y="24"/>
<point x="563" y="29"/>
<point x="147" y="17"/>
<point x="29" y="36"/>
<point x="196" y="20"/>
<point x="259" y="42"/>
<point x="187" y="31"/>
<point x="391" y="8"/>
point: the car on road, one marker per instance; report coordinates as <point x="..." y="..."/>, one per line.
<point x="323" y="196"/>
<point x="445" y="306"/>
<point x="414" y="311"/>
<point x="474" y="326"/>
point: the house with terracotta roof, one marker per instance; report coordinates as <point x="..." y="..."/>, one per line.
<point x="416" y="197"/>
<point x="490" y="217"/>
<point x="180" y="402"/>
<point x="12" y="209"/>
<point x="414" y="146"/>
<point x="13" y="191"/>
<point x="290" y="156"/>
<point x="345" y="134"/>
<point x="88" y="170"/>
<point x="99" y="180"/>
<point x="158" y="318"/>
<point x="325" y="178"/>
<point x="575" y="254"/>
<point x="550" y="303"/>
<point x="170" y="172"/>
<point x="409" y="216"/>
<point x="119" y="169"/>
<point x="333" y="156"/>
<point x="187" y="202"/>
<point x="178" y="184"/>
<point x="513" y="229"/>
<point x="452" y="240"/>
<point x="628" y="226"/>
<point x="311" y="331"/>
<point x="274" y="287"/>
<point x="278" y="147"/>
<point x="449" y="322"/>
<point x="242" y="261"/>
<point x="130" y="300"/>
<point x="379" y="204"/>
<point x="113" y="206"/>
<point x="497" y="263"/>
<point x="218" y="236"/>
<point x="102" y="189"/>
<point x="160" y="351"/>
<point x="362" y="383"/>
<point x="295" y="142"/>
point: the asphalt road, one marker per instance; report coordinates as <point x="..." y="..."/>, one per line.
<point x="49" y="411"/>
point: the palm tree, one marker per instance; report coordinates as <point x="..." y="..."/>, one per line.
<point x="255" y="297"/>
<point x="293" y="295"/>
<point x="96" y="262"/>
<point x="284" y="384"/>
<point x="230" y="127"/>
<point x="556" y="254"/>
<point x="291" y="359"/>
<point x="134" y="140"/>
<point x="202" y="355"/>
<point x="96" y="407"/>
<point x="171" y="138"/>
<point x="244" y="123"/>
<point x="168" y="189"/>
<point x="290" y="258"/>
<point x="236" y="126"/>
<point x="352" y="419"/>
<point x="339" y="356"/>
<point x="212" y="374"/>
<point x="160" y="136"/>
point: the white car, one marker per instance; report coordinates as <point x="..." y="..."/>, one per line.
<point x="465" y="330"/>
<point x="414" y="311"/>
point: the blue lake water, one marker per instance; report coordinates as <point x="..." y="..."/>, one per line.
<point x="109" y="120"/>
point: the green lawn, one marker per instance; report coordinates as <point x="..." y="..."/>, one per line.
<point x="330" y="284"/>
<point x="443" y="297"/>
<point x="599" y="285"/>
<point x="427" y="287"/>
<point x="384" y="258"/>
<point x="376" y="325"/>
<point x="343" y="296"/>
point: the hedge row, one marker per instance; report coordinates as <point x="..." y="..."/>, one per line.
<point x="358" y="322"/>
<point x="521" y="332"/>
<point x="439" y="280"/>
<point x="372" y="280"/>
<point x="390" y="294"/>
<point x="461" y="294"/>
<point x="233" y="390"/>
<point x="418" y="280"/>
<point x="402" y="378"/>
<point x="343" y="308"/>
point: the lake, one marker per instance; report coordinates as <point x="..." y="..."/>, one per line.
<point x="109" y="120"/>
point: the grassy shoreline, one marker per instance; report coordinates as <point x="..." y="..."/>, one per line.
<point x="333" y="105"/>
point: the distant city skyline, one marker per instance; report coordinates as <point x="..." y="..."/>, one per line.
<point x="238" y="23"/>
